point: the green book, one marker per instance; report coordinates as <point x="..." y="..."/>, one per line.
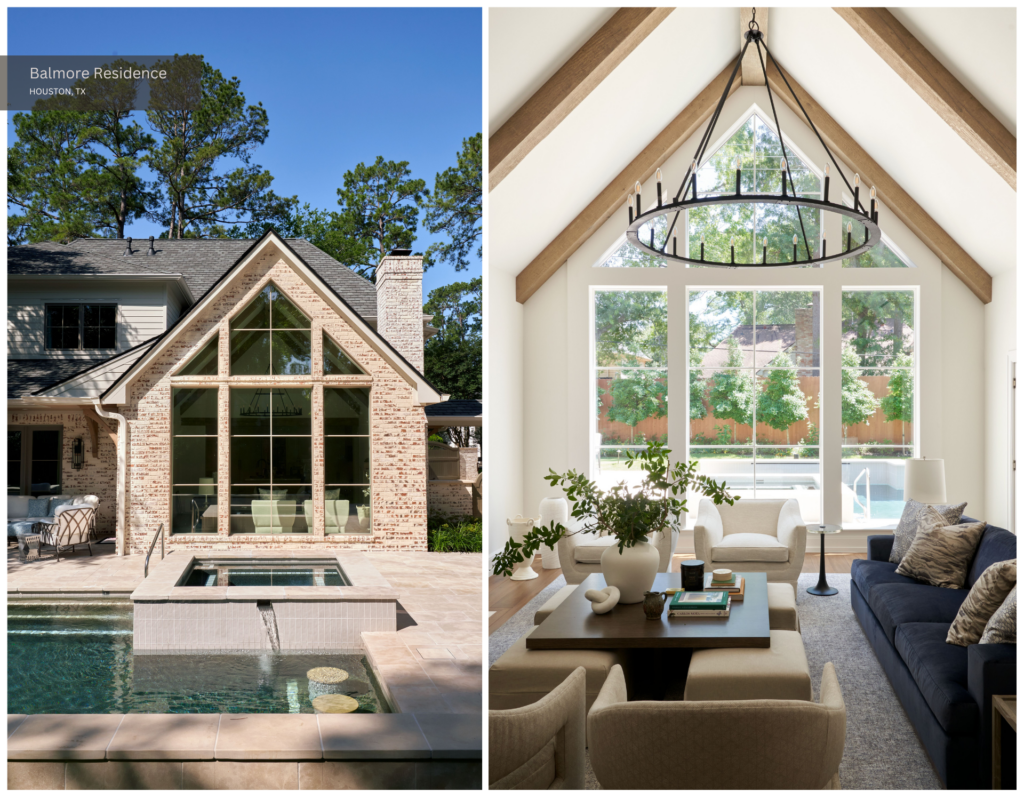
<point x="690" y="601"/>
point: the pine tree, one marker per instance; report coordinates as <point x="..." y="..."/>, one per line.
<point x="456" y="208"/>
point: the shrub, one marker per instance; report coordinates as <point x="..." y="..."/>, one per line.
<point x="455" y="534"/>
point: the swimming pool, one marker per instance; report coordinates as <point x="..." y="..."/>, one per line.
<point x="77" y="659"/>
<point x="264" y="572"/>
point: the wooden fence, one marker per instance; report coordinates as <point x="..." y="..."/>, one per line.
<point x="876" y="429"/>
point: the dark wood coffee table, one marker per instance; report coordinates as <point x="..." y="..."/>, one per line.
<point x="574" y="625"/>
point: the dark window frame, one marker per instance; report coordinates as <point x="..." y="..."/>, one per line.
<point x="81" y="325"/>
<point x="25" y="479"/>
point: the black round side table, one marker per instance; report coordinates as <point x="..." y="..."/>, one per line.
<point x="823" y="589"/>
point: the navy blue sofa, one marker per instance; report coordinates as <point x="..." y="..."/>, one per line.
<point x="945" y="690"/>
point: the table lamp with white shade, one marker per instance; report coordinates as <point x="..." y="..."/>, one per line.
<point x="925" y="480"/>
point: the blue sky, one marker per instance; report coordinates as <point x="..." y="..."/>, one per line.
<point x="341" y="86"/>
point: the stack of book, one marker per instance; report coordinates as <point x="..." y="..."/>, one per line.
<point x="735" y="586"/>
<point x="700" y="604"/>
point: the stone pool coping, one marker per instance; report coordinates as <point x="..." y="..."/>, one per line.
<point x="367" y="582"/>
<point x="107" y="750"/>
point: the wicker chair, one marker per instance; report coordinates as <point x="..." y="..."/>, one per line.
<point x="71" y="526"/>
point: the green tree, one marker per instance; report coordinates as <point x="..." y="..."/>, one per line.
<point x="204" y="163"/>
<point x="698" y="387"/>
<point x="379" y="211"/>
<point x="859" y="402"/>
<point x="898" y="405"/>
<point x="780" y="402"/>
<point x="453" y="357"/>
<point x="631" y="329"/>
<point x="637" y="395"/>
<point x="456" y="207"/>
<point x="732" y="391"/>
<point x="47" y="184"/>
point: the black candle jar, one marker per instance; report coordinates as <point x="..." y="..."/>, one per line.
<point x="693" y="575"/>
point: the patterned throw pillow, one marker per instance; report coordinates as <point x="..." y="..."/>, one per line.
<point x="910" y="525"/>
<point x="38" y="506"/>
<point x="1003" y="625"/>
<point x="941" y="554"/>
<point x="985" y="597"/>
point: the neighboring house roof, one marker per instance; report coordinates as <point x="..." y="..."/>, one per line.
<point x="27" y="376"/>
<point x="53" y="258"/>
<point x="775" y="339"/>
<point x="456" y="413"/>
<point x="203" y="261"/>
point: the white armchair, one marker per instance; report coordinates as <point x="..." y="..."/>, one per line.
<point x="72" y="525"/>
<point x="579" y="555"/>
<point x="542" y="745"/>
<point x="717" y="744"/>
<point x="752" y="535"/>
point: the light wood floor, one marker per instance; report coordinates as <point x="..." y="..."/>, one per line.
<point x="506" y="597"/>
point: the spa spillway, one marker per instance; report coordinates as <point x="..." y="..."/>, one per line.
<point x="244" y="602"/>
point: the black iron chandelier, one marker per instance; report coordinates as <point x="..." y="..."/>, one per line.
<point x="687" y="197"/>
<point x="285" y="409"/>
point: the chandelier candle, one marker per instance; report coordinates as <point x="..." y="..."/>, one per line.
<point x="638" y="198"/>
<point x="764" y="251"/>
<point x="856" y="189"/>
<point x="783" y="172"/>
<point x="657" y="177"/>
<point x="738" y="161"/>
<point x="732" y="249"/>
<point x="849" y="235"/>
<point x="824" y="245"/>
<point x="826" y="185"/>
<point x="874" y="213"/>
<point x="702" y="247"/>
<point x="794" y="248"/>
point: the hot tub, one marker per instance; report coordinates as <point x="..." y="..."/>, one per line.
<point x="265" y="572"/>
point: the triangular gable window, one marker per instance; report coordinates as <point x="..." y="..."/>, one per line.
<point x="270" y="336"/>
<point x="337" y="361"/>
<point x="880" y="256"/>
<point x="205" y="361"/>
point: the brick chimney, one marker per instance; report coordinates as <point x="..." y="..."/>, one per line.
<point x="400" y="304"/>
<point x="806" y="340"/>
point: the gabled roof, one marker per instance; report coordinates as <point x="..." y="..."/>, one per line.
<point x="30" y="375"/>
<point x="202" y="262"/>
<point x="426" y="392"/>
<point x="456" y="414"/>
<point x="53" y="258"/>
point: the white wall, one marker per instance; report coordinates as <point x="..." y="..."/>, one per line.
<point x="503" y="406"/>
<point x="142" y="313"/>
<point x="1000" y="342"/>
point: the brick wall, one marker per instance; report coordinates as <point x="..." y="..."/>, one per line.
<point x="98" y="475"/>
<point x="450" y="497"/>
<point x="398" y="426"/>
<point x="400" y="305"/>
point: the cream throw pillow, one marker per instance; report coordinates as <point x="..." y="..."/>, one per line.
<point x="941" y="553"/>
<point x="1003" y="625"/>
<point x="984" y="599"/>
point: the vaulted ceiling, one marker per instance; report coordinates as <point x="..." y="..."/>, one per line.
<point x="674" y="62"/>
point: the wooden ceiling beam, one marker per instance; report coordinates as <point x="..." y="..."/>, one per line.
<point x="936" y="85"/>
<point x="568" y="87"/>
<point x="613" y="196"/>
<point x="750" y="67"/>
<point x="890" y="192"/>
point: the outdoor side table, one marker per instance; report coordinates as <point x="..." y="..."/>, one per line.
<point x="823" y="589"/>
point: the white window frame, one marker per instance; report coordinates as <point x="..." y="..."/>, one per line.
<point x="583" y="279"/>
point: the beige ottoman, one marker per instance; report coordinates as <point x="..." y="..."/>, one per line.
<point x="522" y="676"/>
<point x="782" y="615"/>
<point x="553" y="602"/>
<point x="779" y="672"/>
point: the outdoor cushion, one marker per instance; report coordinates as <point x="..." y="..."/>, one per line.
<point x="868" y="574"/>
<point x="896" y="604"/>
<point x="17" y="506"/>
<point x="750" y="547"/>
<point x="38" y="507"/>
<point x="940" y="672"/>
<point x="55" y="501"/>
<point x="997" y="544"/>
<point x="591" y="552"/>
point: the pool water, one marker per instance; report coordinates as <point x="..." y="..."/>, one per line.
<point x="886" y="502"/>
<point x="209" y="572"/>
<point x="77" y="659"/>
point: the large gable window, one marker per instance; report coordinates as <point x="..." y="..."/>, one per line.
<point x="80" y="326"/>
<point x="270" y="336"/>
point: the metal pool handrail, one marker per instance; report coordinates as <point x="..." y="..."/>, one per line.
<point x="152" y="544"/>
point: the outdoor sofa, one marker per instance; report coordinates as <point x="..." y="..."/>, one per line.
<point x="946" y="690"/>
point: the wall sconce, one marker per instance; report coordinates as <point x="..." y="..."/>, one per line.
<point x="77" y="453"/>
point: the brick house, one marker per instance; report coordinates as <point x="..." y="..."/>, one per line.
<point x="244" y="394"/>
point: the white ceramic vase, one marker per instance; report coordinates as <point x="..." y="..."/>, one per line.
<point x="552" y="509"/>
<point x="517" y="529"/>
<point x="632" y="572"/>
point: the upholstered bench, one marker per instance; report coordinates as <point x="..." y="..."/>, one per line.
<point x="552" y="603"/>
<point x="778" y="672"/>
<point x="782" y="614"/>
<point x="522" y="676"/>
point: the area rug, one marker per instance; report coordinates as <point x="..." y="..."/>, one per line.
<point x="882" y="751"/>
